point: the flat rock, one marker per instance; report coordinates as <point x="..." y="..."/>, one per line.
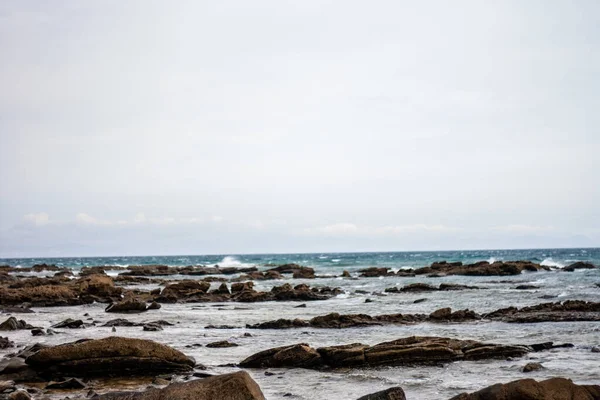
<point x="111" y="356"/>
<point x="395" y="393"/>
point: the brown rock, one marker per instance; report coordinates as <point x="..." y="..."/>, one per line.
<point x="129" y="305"/>
<point x="528" y="389"/>
<point x="530" y="367"/>
<point x="395" y="393"/>
<point x="222" y="344"/>
<point x="235" y="386"/>
<point x="295" y="356"/>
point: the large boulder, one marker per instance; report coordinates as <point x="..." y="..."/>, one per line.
<point x="13" y="324"/>
<point x="128" y="305"/>
<point x="529" y="389"/>
<point x="235" y="386"/>
<point x="111" y="356"/>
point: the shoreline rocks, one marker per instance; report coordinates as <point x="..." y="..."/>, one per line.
<point x="414" y="350"/>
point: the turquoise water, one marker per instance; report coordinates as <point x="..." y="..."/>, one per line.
<point x="332" y="261"/>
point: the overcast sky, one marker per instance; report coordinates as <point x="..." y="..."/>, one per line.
<point x="155" y="127"/>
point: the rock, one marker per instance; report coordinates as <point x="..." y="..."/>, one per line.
<point x="526" y="287"/>
<point x="120" y="322"/>
<point x="530" y="367"/>
<point x="234" y="386"/>
<point x="579" y="265"/>
<point x="304" y="273"/>
<point x="222" y="344"/>
<point x="154" y="306"/>
<point x="346" y="274"/>
<point x="69" y="323"/>
<point x="295" y="356"/>
<point x="528" y="389"/>
<point x="19" y="395"/>
<point x="128" y="305"/>
<point x="5" y="343"/>
<point x="418" y="287"/>
<point x="442" y="313"/>
<point x="111" y="356"/>
<point x="454" y="286"/>
<point x="374" y="272"/>
<point x="242" y="286"/>
<point x="482" y="268"/>
<point x="72" y="383"/>
<point x="223" y="289"/>
<point x="405" y="351"/>
<point x="12" y="324"/>
<point x="152" y="327"/>
<point x="395" y="393"/>
<point x="570" y="310"/>
<point x="595" y="349"/>
<point x="38" y="332"/>
<point x="419" y="301"/>
<point x="300" y="306"/>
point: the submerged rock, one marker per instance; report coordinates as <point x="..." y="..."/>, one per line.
<point x="529" y="389"/>
<point x="234" y="386"/>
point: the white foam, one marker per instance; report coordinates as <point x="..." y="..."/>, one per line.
<point x="549" y="262"/>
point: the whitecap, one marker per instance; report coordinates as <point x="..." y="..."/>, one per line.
<point x="549" y="262"/>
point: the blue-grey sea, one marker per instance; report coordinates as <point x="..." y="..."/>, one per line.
<point x="419" y="382"/>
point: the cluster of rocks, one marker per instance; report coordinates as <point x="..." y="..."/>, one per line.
<point x="570" y="310"/>
<point x="444" y="268"/>
<point x="412" y="350"/>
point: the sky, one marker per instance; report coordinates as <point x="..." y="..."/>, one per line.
<point x="188" y="127"/>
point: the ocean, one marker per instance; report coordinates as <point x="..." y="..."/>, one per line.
<point x="419" y="382"/>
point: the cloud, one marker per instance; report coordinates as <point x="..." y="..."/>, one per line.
<point x="518" y="228"/>
<point x="346" y="228"/>
<point x="37" y="219"/>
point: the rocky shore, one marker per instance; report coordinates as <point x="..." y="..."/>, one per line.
<point x="90" y="358"/>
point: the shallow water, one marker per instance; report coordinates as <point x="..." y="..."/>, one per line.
<point x="429" y="382"/>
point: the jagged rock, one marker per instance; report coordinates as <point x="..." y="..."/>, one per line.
<point x="234" y="386"/>
<point x="395" y="393"/>
<point x="111" y="356"/>
<point x="12" y="324"/>
<point x="529" y="389"/>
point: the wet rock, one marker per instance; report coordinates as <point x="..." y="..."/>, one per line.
<point x="242" y="286"/>
<point x="530" y="367"/>
<point x="442" y="313"/>
<point x="419" y="301"/>
<point x="151" y="327"/>
<point x="234" y="386"/>
<point x="529" y="389"/>
<point x="395" y="393"/>
<point x="405" y="351"/>
<point x="368" y="301"/>
<point x="595" y="349"/>
<point x="570" y="310"/>
<point x="71" y="383"/>
<point x="300" y="306"/>
<point x="154" y="306"/>
<point x="579" y="265"/>
<point x="70" y="323"/>
<point x="223" y="289"/>
<point x="222" y="344"/>
<point x="127" y="306"/>
<point x="304" y="273"/>
<point x="526" y="287"/>
<point x="16" y="310"/>
<point x="120" y="322"/>
<point x="295" y="356"/>
<point x="455" y="286"/>
<point x="12" y="324"/>
<point x="38" y="332"/>
<point x="482" y="268"/>
<point x="346" y="274"/>
<point x="5" y="343"/>
<point x="112" y="356"/>
<point x="374" y="272"/>
<point x="418" y="287"/>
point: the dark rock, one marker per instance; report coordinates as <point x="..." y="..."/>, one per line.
<point x="295" y="356"/>
<point x="234" y="386"/>
<point x="454" y="286"/>
<point x="221" y="344"/>
<point x="579" y="265"/>
<point x="69" y="323"/>
<point x="530" y="367"/>
<point x="128" y="306"/>
<point x="395" y="393"/>
<point x="418" y="287"/>
<point x="442" y="313"/>
<point x="368" y="301"/>
<point x="300" y="306"/>
<point x="19" y="395"/>
<point x="526" y="287"/>
<point x="38" y="332"/>
<point x="112" y="356"/>
<point x="482" y="268"/>
<point x="595" y="349"/>
<point x="419" y="301"/>
<point x="5" y="343"/>
<point x="12" y="324"/>
<point x="528" y="389"/>
<point x="374" y="272"/>
<point x="154" y="306"/>
<point x="120" y="322"/>
<point x="150" y="327"/>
